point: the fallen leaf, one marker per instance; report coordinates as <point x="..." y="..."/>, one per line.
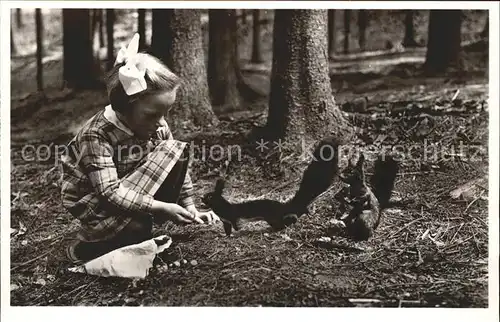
<point x="41" y="281"/>
<point x="471" y="190"/>
<point x="324" y="239"/>
<point x="22" y="229"/>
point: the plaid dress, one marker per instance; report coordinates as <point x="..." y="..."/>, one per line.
<point x="109" y="175"/>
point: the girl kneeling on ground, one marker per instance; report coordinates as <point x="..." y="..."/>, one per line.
<point x="124" y="170"/>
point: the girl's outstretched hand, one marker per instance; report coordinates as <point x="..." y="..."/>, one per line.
<point x="208" y="217"/>
<point x="174" y="213"/>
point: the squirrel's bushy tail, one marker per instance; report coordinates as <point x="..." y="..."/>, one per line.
<point x="384" y="176"/>
<point x="318" y="176"/>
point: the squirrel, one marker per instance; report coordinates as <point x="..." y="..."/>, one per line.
<point x="317" y="178"/>
<point x="367" y="202"/>
<point x="273" y="212"/>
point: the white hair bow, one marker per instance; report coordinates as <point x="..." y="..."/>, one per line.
<point x="130" y="76"/>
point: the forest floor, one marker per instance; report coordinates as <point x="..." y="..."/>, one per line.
<point x="431" y="251"/>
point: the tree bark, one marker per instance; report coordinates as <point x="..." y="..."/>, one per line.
<point x="185" y="57"/>
<point x="159" y="40"/>
<point x="141" y="28"/>
<point x="19" y="18"/>
<point x="39" y="49"/>
<point x="331" y="33"/>
<point x="101" y="29"/>
<point x="97" y="23"/>
<point x="110" y="26"/>
<point x="443" y="47"/>
<point x="13" y="47"/>
<point x="409" y="39"/>
<point x="301" y="104"/>
<point x="256" y="51"/>
<point x="222" y="58"/>
<point x="78" y="66"/>
<point x="244" y="16"/>
<point x="362" y="24"/>
<point x="347" y="30"/>
<point x="486" y="30"/>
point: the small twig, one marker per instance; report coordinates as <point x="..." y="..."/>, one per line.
<point x="215" y="253"/>
<point x="238" y="261"/>
<point x="459" y="243"/>
<point x="84" y="290"/>
<point x="402" y="174"/>
<point x="31" y="260"/>
<point x="77" y="289"/>
<point x="473" y="201"/>
<point x="180" y="251"/>
<point x="455" y="234"/>
<point x="254" y="269"/>
<point x="404" y="227"/>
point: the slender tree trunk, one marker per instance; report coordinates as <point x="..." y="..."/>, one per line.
<point x="331" y="33"/>
<point x="444" y="44"/>
<point x="256" y="51"/>
<point x="39" y="49"/>
<point x="78" y="66"/>
<point x="97" y="25"/>
<point x="362" y="24"/>
<point x="159" y="40"/>
<point x="185" y="56"/>
<point x="409" y="39"/>
<point x="141" y="28"/>
<point x="94" y="22"/>
<point x="244" y="16"/>
<point x="222" y="58"/>
<point x="486" y="30"/>
<point x="19" y="18"/>
<point x="301" y="105"/>
<point x="347" y="30"/>
<point x="13" y="47"/>
<point x="110" y="24"/>
<point x="101" y="29"/>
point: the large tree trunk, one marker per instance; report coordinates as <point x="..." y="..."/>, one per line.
<point x="185" y="56"/>
<point x="443" y="47"/>
<point x="301" y="105"/>
<point x="222" y="58"/>
<point x="409" y="39"/>
<point x="362" y="24"/>
<point x="39" y="49"/>
<point x="331" y="33"/>
<point x="110" y="26"/>
<point x="256" y="51"/>
<point x="141" y="28"/>
<point x="78" y="67"/>
<point x="347" y="30"/>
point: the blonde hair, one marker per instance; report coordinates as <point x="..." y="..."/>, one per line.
<point x="158" y="79"/>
